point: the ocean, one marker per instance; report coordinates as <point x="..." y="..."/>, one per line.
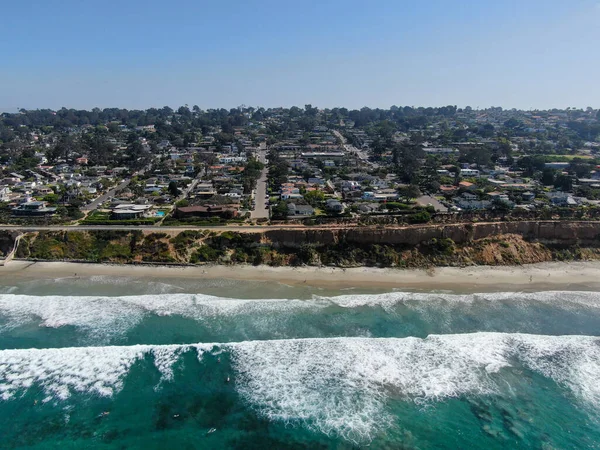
<point x="114" y="363"/>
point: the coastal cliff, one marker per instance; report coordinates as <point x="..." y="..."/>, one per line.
<point x="551" y="232"/>
<point x="501" y="243"/>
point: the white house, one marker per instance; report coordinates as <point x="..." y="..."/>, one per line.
<point x="469" y="173"/>
<point x="4" y="194"/>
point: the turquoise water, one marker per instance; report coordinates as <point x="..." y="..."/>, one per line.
<point x="131" y="363"/>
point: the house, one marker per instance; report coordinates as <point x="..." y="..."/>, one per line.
<point x="348" y="185"/>
<point x="10" y="181"/>
<point x="334" y="206"/>
<point x="233" y="195"/>
<point x="527" y="196"/>
<point x="316" y="180"/>
<point x="440" y="150"/>
<point x="43" y="190"/>
<point x="561" y="199"/>
<point x="448" y="189"/>
<point x="223" y="211"/>
<point x="62" y="168"/>
<point x="557" y="165"/>
<point x="204" y="190"/>
<point x="33" y="209"/>
<point x="466" y="185"/>
<point x="129" y="211"/>
<point x="300" y="210"/>
<point x="289" y="193"/>
<point x="126" y="214"/>
<point x="4" y="194"/>
<point x="498" y="196"/>
<point x="470" y="201"/>
<point x="367" y="208"/>
<point x="469" y="173"/>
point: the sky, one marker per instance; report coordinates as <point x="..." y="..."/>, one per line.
<point x="82" y="54"/>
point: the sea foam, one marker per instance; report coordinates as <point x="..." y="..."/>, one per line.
<point x="104" y="318"/>
<point x="338" y="386"/>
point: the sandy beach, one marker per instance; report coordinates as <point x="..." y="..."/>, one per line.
<point x="544" y="276"/>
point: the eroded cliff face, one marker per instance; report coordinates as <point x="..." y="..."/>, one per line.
<point x="505" y="243"/>
<point x="7" y="241"/>
<point x="550" y="232"/>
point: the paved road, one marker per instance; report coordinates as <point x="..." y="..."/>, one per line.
<point x="260" y="193"/>
<point x="362" y="155"/>
<point x="111" y="193"/>
<point x="425" y="200"/>
<point x="151" y="228"/>
<point x="104" y="197"/>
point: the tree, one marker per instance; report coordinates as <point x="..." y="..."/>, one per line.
<point x="51" y="198"/>
<point x="136" y="155"/>
<point x="564" y="183"/>
<point x="530" y="164"/>
<point x="548" y="177"/>
<point x="280" y="211"/>
<point x="173" y="189"/>
<point x="512" y="123"/>
<point x="406" y="159"/>
<point x="409" y="192"/>
<point x="580" y="167"/>
<point x="314" y="197"/>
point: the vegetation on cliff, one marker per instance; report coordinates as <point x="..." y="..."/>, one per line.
<point x="202" y="246"/>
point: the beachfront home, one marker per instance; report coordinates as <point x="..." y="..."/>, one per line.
<point x="223" y="211"/>
<point x="33" y="209"/>
<point x="300" y="210"/>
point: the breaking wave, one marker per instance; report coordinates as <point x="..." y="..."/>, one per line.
<point x="107" y="317"/>
<point x="338" y="386"/>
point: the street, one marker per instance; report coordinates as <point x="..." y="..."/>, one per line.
<point x="111" y="192"/>
<point x="362" y="155"/>
<point x="260" y="193"/>
<point x="106" y="196"/>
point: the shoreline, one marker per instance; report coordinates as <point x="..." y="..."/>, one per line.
<point x="540" y="276"/>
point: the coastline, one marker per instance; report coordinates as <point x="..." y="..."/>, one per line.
<point x="533" y="277"/>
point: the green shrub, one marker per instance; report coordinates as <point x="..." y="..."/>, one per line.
<point x="206" y="254"/>
<point x="116" y="251"/>
<point x="420" y="217"/>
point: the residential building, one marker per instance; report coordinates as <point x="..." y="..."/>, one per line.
<point x="33" y="209"/>
<point x="300" y="210"/>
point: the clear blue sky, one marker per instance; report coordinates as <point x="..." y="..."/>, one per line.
<point x="138" y="54"/>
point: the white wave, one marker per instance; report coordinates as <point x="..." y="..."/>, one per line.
<point x="110" y="316"/>
<point x="339" y="385"/>
<point x="58" y="371"/>
<point x="557" y="298"/>
<point x="572" y="361"/>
